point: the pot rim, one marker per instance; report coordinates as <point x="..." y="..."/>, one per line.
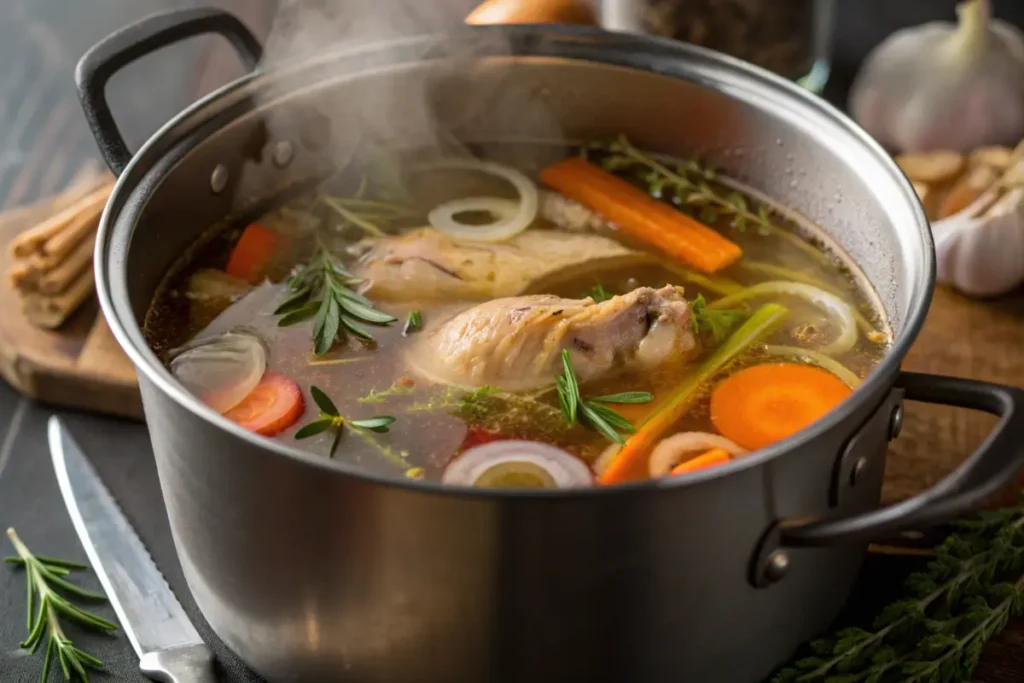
<point x="129" y="332"/>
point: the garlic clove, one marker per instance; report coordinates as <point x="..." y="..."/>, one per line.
<point x="998" y="158"/>
<point x="945" y="86"/>
<point x="980" y="251"/>
<point x="931" y="167"/>
<point x="969" y="188"/>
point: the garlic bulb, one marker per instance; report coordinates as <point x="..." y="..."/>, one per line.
<point x="943" y="86"/>
<point x="981" y="249"/>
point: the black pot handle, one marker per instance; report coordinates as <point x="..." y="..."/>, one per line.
<point x="147" y="35"/>
<point x="988" y="469"/>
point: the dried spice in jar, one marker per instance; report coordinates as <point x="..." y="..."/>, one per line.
<point x="788" y="37"/>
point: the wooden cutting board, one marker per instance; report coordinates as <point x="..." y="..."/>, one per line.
<point x="79" y="365"/>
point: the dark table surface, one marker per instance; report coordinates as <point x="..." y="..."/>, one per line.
<point x="42" y="141"/>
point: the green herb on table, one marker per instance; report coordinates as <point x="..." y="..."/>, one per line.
<point x="330" y="419"/>
<point x="321" y="290"/>
<point x="716" y="323"/>
<point x="938" y="631"/>
<point x="598" y="293"/>
<point x="413" y="322"/>
<point x="44" y="577"/>
<point x="590" y="412"/>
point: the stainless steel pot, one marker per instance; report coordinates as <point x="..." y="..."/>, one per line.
<point x="313" y="572"/>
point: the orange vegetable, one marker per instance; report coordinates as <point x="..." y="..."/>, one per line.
<point x="271" y="407"/>
<point x="630" y="463"/>
<point x="767" y="403"/>
<point x="533" y="12"/>
<point x="253" y="252"/>
<point x="641" y="216"/>
<point x="716" y="456"/>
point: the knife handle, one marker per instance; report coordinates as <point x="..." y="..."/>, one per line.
<point x="184" y="664"/>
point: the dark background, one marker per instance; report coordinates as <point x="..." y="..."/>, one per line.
<point x="43" y="139"/>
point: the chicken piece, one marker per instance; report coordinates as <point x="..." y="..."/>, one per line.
<point x="427" y="264"/>
<point x="516" y="343"/>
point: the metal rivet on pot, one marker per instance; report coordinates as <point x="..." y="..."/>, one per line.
<point x="775" y="566"/>
<point x="219" y="178"/>
<point x="284" y="151"/>
<point x="858" y="469"/>
<point x="896" y="422"/>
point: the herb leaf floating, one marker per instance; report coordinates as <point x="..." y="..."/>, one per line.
<point x="937" y="633"/>
<point x="322" y="290"/>
<point x="589" y="412"/>
<point x="716" y="323"/>
<point x="44" y="576"/>
<point x="598" y="293"/>
<point x="331" y="419"/>
<point x="413" y="322"/>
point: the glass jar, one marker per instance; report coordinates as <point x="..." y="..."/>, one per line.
<point x="792" y="38"/>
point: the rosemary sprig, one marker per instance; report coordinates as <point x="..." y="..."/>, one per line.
<point x="43" y="577"/>
<point x="590" y="412"/>
<point x="714" y="322"/>
<point x="413" y="322"/>
<point x="690" y="184"/>
<point x="330" y="418"/>
<point x="937" y="633"/>
<point x="322" y="290"/>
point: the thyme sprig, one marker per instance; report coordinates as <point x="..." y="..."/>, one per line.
<point x="692" y="184"/>
<point x="590" y="412"/>
<point x="322" y="290"/>
<point x="44" y="576"/>
<point x="937" y="633"/>
<point x="330" y="418"/>
<point x="715" y="323"/>
<point x="598" y="293"/>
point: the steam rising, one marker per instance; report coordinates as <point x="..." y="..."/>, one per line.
<point x="443" y="78"/>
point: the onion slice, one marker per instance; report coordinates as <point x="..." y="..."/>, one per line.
<point x="221" y="370"/>
<point x="842" y="314"/>
<point x="517" y="464"/>
<point x="510" y="217"/>
<point x="673" y="450"/>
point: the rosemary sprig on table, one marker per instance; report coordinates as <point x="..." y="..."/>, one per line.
<point x="330" y="418"/>
<point x="590" y="412"/>
<point x="937" y="633"/>
<point x="322" y="290"/>
<point x="691" y="184"/>
<point x="44" y="576"/>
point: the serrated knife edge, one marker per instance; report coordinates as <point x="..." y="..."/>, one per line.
<point x="147" y="609"/>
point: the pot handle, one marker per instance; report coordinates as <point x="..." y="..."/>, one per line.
<point x="988" y="469"/>
<point x="123" y="47"/>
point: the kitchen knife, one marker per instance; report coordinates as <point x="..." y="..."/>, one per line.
<point x="169" y="647"/>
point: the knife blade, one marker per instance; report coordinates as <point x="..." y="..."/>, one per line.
<point x="168" y="645"/>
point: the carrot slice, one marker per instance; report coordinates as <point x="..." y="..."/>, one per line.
<point x="253" y="252"/>
<point x="271" y="407"/>
<point x="767" y="403"/>
<point x="630" y="463"/>
<point x="641" y="216"/>
<point x="716" y="456"/>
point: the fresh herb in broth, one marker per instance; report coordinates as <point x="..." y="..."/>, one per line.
<point x="647" y="285"/>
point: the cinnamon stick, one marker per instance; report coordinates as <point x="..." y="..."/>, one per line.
<point x="32" y="240"/>
<point x="61" y="277"/>
<point x="54" y="249"/>
<point x="51" y="311"/>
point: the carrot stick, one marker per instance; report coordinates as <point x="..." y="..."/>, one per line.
<point x="631" y="461"/>
<point x="716" y="456"/>
<point x="767" y="403"/>
<point x="255" y="248"/>
<point x="641" y="216"/>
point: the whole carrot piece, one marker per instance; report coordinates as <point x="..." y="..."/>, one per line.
<point x="641" y="216"/>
